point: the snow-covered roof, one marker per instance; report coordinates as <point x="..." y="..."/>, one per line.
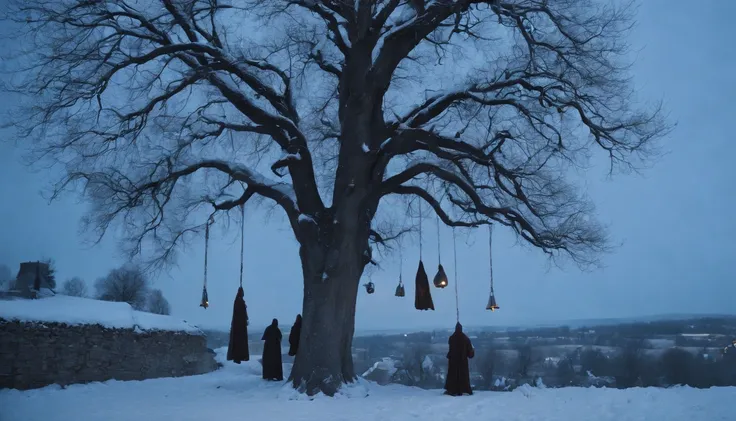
<point x="427" y="363"/>
<point x="85" y="311"/>
<point x="386" y="364"/>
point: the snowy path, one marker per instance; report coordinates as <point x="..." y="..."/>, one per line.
<point x="237" y="393"/>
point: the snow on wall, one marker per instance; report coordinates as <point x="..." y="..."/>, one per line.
<point x="84" y="311"/>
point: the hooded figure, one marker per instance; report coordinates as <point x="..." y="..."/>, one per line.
<point x="457" y="381"/>
<point x="422" y="294"/>
<point x="237" y="349"/>
<point x="272" y="369"/>
<point x="296" y="331"/>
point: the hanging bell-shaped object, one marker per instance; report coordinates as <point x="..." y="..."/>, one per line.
<point x="400" y="292"/>
<point x="205" y="301"/>
<point x="492" y="303"/>
<point x="440" y="279"/>
<point x="370" y="288"/>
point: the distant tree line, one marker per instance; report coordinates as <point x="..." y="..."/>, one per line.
<point x="630" y="367"/>
<point x="130" y="285"/>
<point x="6" y="277"/>
<point x="127" y="283"/>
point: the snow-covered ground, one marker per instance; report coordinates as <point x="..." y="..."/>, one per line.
<point x="236" y="392"/>
<point x="76" y="311"/>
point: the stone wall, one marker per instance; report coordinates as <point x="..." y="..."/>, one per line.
<point x="38" y="354"/>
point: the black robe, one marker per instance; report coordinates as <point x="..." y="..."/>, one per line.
<point x="296" y="331"/>
<point x="272" y="368"/>
<point x="237" y="349"/>
<point x="422" y="294"/>
<point x="457" y="381"/>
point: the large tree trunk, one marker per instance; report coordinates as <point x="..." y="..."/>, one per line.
<point x="324" y="361"/>
<point x="335" y="249"/>
<point x="332" y="268"/>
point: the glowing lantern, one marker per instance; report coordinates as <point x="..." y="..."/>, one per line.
<point x="492" y="303"/>
<point x="440" y="279"/>
<point x="205" y="300"/>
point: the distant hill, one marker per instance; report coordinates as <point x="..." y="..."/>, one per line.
<point x="628" y="320"/>
<point x="222" y="336"/>
<point x="574" y="324"/>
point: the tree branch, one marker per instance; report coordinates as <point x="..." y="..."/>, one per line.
<point x="568" y="235"/>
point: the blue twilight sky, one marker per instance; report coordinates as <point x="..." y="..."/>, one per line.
<point x="673" y="222"/>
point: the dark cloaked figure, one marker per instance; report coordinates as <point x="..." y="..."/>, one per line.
<point x="457" y="382"/>
<point x="422" y="295"/>
<point x="272" y="369"/>
<point x="237" y="349"/>
<point x="296" y="330"/>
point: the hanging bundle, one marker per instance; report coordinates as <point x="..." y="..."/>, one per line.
<point x="422" y="294"/>
<point x="492" y="298"/>
<point x="400" y="292"/>
<point x="440" y="279"/>
<point x="205" y="302"/>
<point x="400" y="288"/>
<point x="237" y="348"/>
<point x="370" y="287"/>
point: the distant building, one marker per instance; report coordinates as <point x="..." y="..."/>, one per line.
<point x="32" y="281"/>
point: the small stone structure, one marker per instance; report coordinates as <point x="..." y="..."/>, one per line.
<point x="31" y="282"/>
<point x="36" y="354"/>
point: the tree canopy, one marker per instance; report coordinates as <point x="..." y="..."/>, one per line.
<point x="479" y="108"/>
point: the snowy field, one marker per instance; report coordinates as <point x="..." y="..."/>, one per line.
<point x="237" y="393"/>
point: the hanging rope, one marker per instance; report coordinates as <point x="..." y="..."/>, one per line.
<point x="401" y="263"/>
<point x="457" y="300"/>
<point x="439" y="248"/>
<point x="400" y="292"/>
<point x="206" y="248"/>
<point x="420" y="231"/>
<point x="242" y="241"/>
<point x="205" y="302"/>
<point x="490" y="254"/>
<point x="492" y="305"/>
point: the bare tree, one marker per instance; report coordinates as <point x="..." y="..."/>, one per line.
<point x="126" y="284"/>
<point x="629" y="364"/>
<point x="565" y="372"/>
<point x="5" y="273"/>
<point x="413" y="361"/>
<point x="49" y="272"/>
<point x="487" y="365"/>
<point x="157" y="303"/>
<point x="526" y="357"/>
<point x="5" y="278"/>
<point x="74" y="287"/>
<point x="678" y="367"/>
<point x="595" y="361"/>
<point x="168" y="114"/>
